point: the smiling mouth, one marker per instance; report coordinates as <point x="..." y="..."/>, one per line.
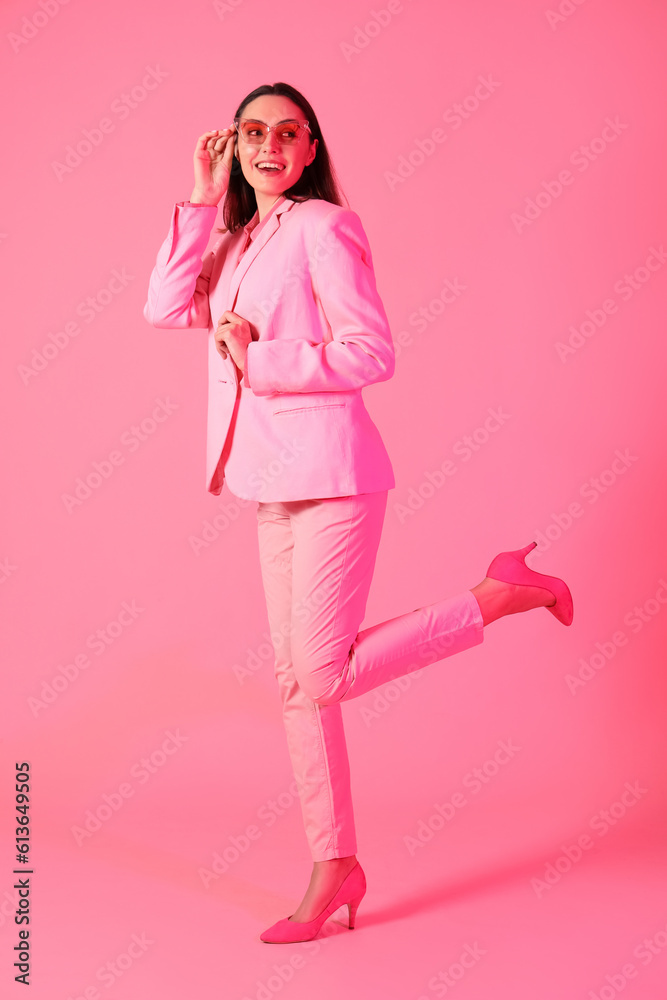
<point x="278" y="169"/>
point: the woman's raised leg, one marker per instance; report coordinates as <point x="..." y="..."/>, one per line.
<point x="335" y="545"/>
<point x="336" y="542"/>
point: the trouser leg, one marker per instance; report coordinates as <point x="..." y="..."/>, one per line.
<point x="334" y="553"/>
<point x="315" y="734"/>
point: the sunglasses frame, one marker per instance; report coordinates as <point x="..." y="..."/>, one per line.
<point x="271" y="128"/>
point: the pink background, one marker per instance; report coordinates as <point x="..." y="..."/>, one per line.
<point x="173" y="668"/>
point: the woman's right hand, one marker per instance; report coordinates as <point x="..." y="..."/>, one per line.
<point x="214" y="154"/>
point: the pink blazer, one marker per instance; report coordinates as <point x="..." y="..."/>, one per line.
<point x="295" y="427"/>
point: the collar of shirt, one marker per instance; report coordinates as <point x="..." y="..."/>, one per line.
<point x="254" y="226"/>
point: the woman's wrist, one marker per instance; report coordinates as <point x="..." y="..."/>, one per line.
<point x="198" y="199"/>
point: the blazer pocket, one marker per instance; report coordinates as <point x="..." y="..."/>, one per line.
<point x="309" y="409"/>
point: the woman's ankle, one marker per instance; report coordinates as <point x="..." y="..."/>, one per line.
<point x="350" y="858"/>
<point x="492" y="601"/>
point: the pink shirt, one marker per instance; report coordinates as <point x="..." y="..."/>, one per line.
<point x="252" y="230"/>
<point x="255" y="226"/>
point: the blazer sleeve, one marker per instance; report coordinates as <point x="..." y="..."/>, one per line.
<point x="178" y="286"/>
<point x="361" y="350"/>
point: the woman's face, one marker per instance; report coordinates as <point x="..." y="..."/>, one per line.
<point x="292" y="158"/>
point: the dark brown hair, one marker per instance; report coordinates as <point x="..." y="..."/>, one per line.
<point x="317" y="180"/>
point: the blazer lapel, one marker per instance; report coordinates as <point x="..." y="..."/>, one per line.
<point x="256" y="245"/>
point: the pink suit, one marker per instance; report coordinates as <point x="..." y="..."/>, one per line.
<point x="306" y="284"/>
<point x="295" y="435"/>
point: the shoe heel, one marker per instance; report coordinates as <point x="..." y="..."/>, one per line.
<point x="353" y="906"/>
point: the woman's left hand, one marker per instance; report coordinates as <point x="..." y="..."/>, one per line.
<point x="232" y="337"/>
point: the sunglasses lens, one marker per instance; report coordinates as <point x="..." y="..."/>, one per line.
<point x="255" y="133"/>
<point x="289" y="132"/>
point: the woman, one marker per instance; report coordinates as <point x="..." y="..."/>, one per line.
<point x="296" y="328"/>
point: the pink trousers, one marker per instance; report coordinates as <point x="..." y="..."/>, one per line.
<point x="317" y="559"/>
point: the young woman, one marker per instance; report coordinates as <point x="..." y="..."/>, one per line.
<point x="296" y="328"/>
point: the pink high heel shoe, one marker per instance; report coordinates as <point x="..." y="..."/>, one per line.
<point x="288" y="931"/>
<point x="510" y="567"/>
